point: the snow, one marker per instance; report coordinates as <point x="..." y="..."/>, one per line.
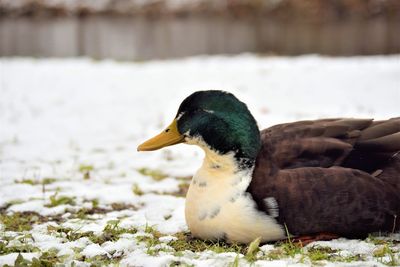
<point x="167" y="239"/>
<point x="350" y="246"/>
<point x="93" y="250"/>
<point x="59" y="115"/>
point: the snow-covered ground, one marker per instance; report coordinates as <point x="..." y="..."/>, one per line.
<point x="69" y="131"/>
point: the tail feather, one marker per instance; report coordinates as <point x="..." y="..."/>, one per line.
<point x="384" y="143"/>
<point x="386" y="128"/>
<point x="377" y="149"/>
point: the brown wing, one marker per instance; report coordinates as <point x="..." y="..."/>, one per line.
<point x="320" y="143"/>
<point x="317" y="171"/>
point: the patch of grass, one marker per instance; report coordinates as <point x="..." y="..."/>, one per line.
<point x="69" y="233"/>
<point x="86" y="169"/>
<point x="183" y="188"/>
<point x="20" y="262"/>
<point x="157" y="175"/>
<point x="60" y="200"/>
<point x="100" y="260"/>
<point x="95" y="203"/>
<point x="152" y="231"/>
<point x="235" y="262"/>
<point x="254" y="247"/>
<point x="318" y="253"/>
<point x="112" y="232"/>
<point x="381" y="240"/>
<point x="387" y="255"/>
<point x="152" y="244"/>
<point x="381" y="251"/>
<point x="351" y="258"/>
<point x="103" y="260"/>
<point x="83" y="213"/>
<point x="136" y="190"/>
<point x="315" y="254"/>
<point x="186" y="242"/>
<point x="148" y="229"/>
<point x="376" y="239"/>
<point x="5" y="248"/>
<point x="44" y="181"/>
<point x="20" y="221"/>
<point x="47" y="259"/>
<point x="4" y="208"/>
<point x="48" y="181"/>
<point x="152" y="241"/>
<point x="284" y="250"/>
<point x="275" y="254"/>
<point x="292" y="249"/>
<point x="117" y="206"/>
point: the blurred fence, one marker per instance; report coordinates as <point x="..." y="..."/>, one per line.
<point x="144" y="36"/>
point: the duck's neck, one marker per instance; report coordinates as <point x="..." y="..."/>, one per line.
<point x="224" y="170"/>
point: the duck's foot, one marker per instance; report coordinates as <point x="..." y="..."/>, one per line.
<point x="307" y="239"/>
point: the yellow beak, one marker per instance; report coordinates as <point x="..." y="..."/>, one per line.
<point x="168" y="137"/>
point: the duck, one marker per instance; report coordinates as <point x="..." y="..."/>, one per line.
<point x="312" y="180"/>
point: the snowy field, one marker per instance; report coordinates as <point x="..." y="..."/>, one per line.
<point x="73" y="189"/>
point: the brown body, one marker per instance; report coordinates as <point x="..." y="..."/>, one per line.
<point x="340" y="176"/>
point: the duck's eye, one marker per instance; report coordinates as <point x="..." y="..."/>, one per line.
<point x="167" y="130"/>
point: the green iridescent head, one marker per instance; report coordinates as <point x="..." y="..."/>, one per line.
<point x="222" y="121"/>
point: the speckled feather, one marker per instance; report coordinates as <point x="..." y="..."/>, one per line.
<point x="340" y="176"/>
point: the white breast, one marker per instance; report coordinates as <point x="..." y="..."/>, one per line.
<point x="217" y="205"/>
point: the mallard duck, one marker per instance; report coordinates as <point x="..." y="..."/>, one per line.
<point x="327" y="177"/>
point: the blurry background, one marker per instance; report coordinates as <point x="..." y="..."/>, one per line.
<point x="149" y="29"/>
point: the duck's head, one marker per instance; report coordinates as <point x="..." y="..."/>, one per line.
<point x="214" y="120"/>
